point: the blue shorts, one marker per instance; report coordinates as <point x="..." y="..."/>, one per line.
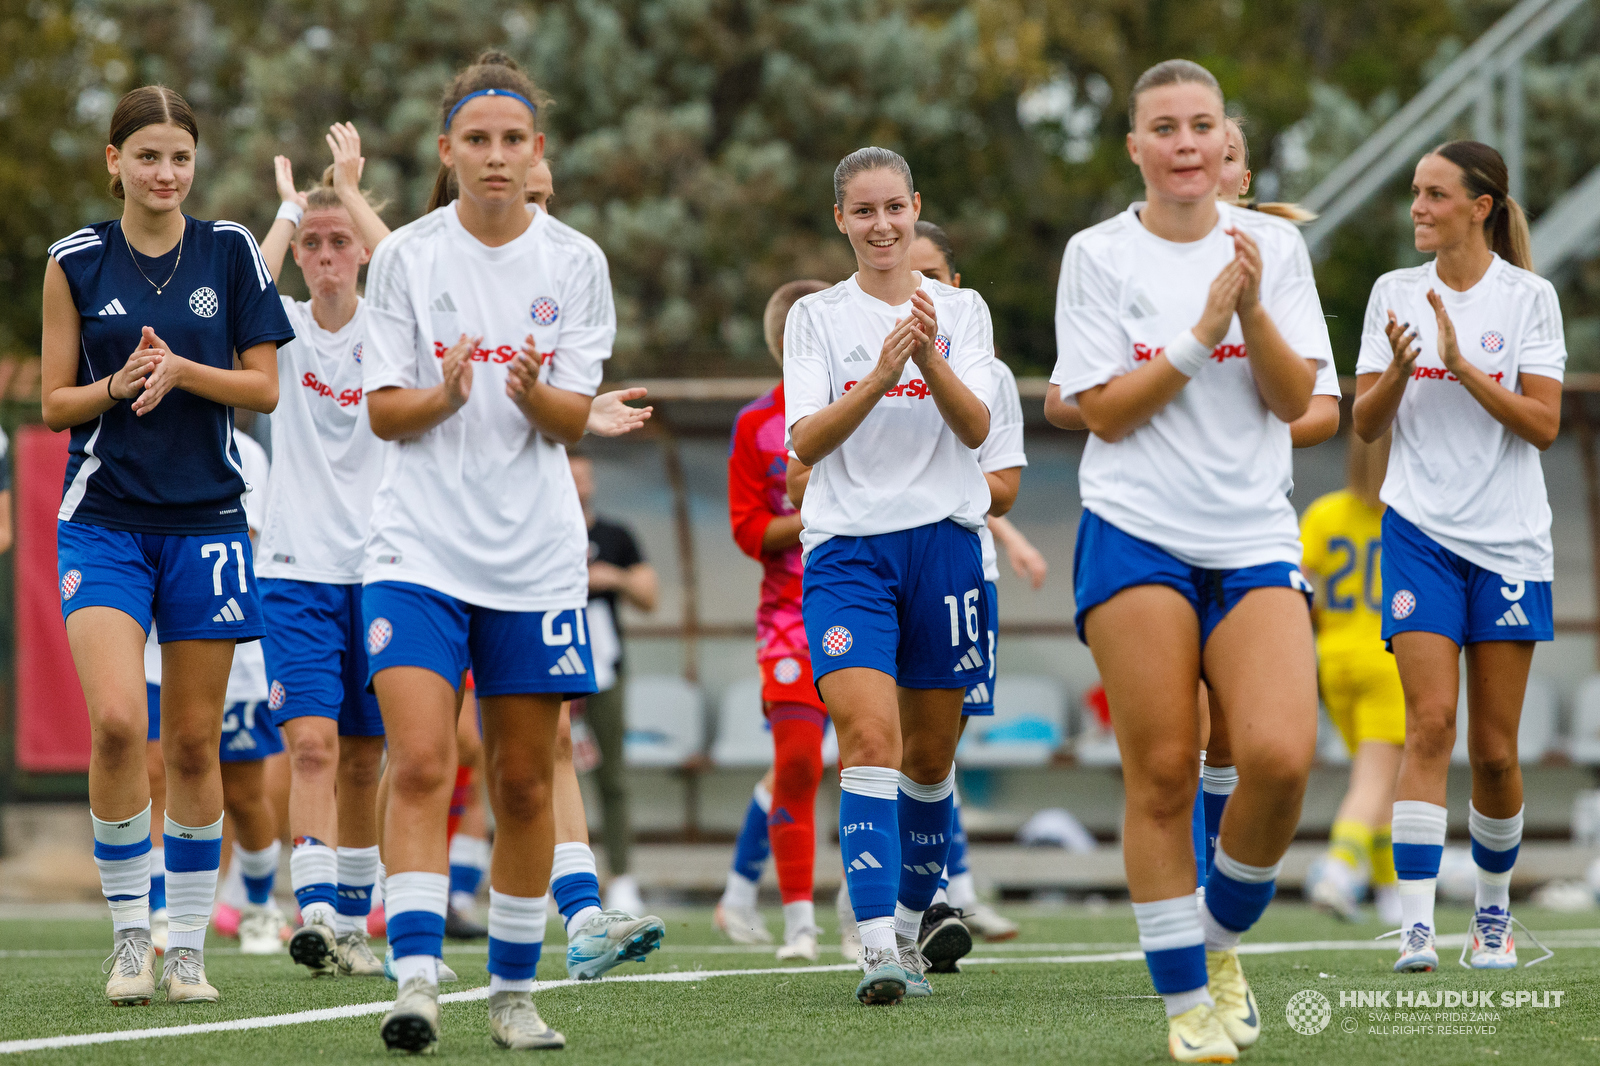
<point x="1431" y="589"/>
<point x="1107" y="561"/>
<point x="980" y="694"/>
<point x="247" y="730"/>
<point x="192" y="588"/>
<point x="316" y="655"/>
<point x="510" y="652"/>
<point x="909" y="603"/>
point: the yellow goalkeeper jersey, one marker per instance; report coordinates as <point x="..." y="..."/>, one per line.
<point x="1343" y="546"/>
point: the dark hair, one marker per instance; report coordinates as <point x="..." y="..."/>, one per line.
<point x="444" y="190"/>
<point x="941" y="240"/>
<point x="1483" y="173"/>
<point x="864" y="159"/>
<point x="777" y="312"/>
<point x="1170" y="72"/>
<point x="148" y="105"/>
<point x="321" y="197"/>
<point x="1292" y="212"/>
<point x="491" y="70"/>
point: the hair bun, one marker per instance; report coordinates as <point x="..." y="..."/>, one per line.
<point x="496" y="58"/>
<point x="327" y="176"/>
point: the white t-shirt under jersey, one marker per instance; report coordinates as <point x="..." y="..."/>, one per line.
<point x="902" y="467"/>
<point x="326" y="459"/>
<point x="1455" y="472"/>
<point x="1208" y="477"/>
<point x="482" y="507"/>
<point x="1001" y="450"/>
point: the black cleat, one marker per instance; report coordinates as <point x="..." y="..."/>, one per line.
<point x="458" y="926"/>
<point x="943" y="939"/>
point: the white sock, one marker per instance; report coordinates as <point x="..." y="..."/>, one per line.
<point x="357" y="875"/>
<point x="963" y="891"/>
<point x="125" y="882"/>
<point x="798" y="917"/>
<point x="425" y="966"/>
<point x="1165" y="924"/>
<point x="740" y="892"/>
<point x="190" y="893"/>
<point x="470" y="851"/>
<point x="515" y="920"/>
<point x="377" y="886"/>
<point x="907" y="922"/>
<point x="502" y="984"/>
<point x="314" y="864"/>
<point x="1416" y="902"/>
<point x="877" y="934"/>
<point x="578" y="919"/>
<point x="1219" y="780"/>
<point x="232" y="893"/>
<point x="1495" y="834"/>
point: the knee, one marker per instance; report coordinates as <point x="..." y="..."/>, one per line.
<point x="420" y="775"/>
<point x="360" y="769"/>
<point x="313" y="755"/>
<point x="925" y="766"/>
<point x="797" y="770"/>
<point x="1165" y="787"/>
<point x="119" y="735"/>
<point x="521" y="795"/>
<point x="1281" y="770"/>
<point x="190" y="756"/>
<point x="1493" y="766"/>
<point x="1430" y="728"/>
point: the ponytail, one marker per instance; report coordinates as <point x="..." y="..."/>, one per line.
<point x="1291" y="212"/>
<point x="444" y="189"/>
<point x="321" y="197"/>
<point x="1483" y="173"/>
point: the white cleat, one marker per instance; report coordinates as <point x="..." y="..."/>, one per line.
<point x="514" y="1023"/>
<point x="1331" y="886"/>
<point x="132" y="967"/>
<point x="316" y="947"/>
<point x="1490" y="943"/>
<point x="1417" y="953"/>
<point x="1197" y="1035"/>
<point x="412" y="1025"/>
<point x="259" y="927"/>
<point x="1235" y="1007"/>
<point x="801" y="944"/>
<point x="984" y="921"/>
<point x="158" y="930"/>
<point x="356" y="958"/>
<point x="849" y="932"/>
<point x="183" y="975"/>
<point x="739" y="925"/>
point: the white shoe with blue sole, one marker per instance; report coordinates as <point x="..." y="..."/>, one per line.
<point x="609" y="939"/>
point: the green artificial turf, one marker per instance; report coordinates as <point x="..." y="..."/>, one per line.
<point x="1000" y="1010"/>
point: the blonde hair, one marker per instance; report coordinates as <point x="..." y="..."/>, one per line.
<point x="322" y="197"/>
<point x="1170" y="72"/>
<point x="1483" y="173"/>
<point x="1292" y="212"/>
<point x="777" y="312"/>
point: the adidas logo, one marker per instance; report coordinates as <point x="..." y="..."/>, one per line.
<point x="930" y="868"/>
<point x="970" y="661"/>
<point x="978" y="693"/>
<point x="242" y="742"/>
<point x="858" y="354"/>
<point x="1141" y="306"/>
<point x="865" y="861"/>
<point x="569" y="663"/>
<point x="231" y="612"/>
<point x="113" y="308"/>
<point x="444" y="303"/>
<point x="1513" y="617"/>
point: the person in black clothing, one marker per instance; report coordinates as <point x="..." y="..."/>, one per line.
<point x="618" y="573"/>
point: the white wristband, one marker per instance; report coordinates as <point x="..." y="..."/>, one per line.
<point x="291" y="211"/>
<point x="1186" y="354"/>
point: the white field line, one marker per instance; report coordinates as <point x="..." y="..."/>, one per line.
<point x="1584" y="938"/>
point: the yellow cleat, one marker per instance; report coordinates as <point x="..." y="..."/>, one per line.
<point x="1235" y="1003"/>
<point x="1197" y="1035"/>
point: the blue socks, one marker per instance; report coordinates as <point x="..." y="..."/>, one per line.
<point x="575" y="884"/>
<point x="258" y="870"/>
<point x="1216" y="785"/>
<point x="925" y="814"/>
<point x="1236" y="897"/>
<point x="314" y="876"/>
<point x="414" y="905"/>
<point x="1174" y="947"/>
<point x="750" y="851"/>
<point x="158" y="878"/>
<point x="516" y="935"/>
<point x="869" y="842"/>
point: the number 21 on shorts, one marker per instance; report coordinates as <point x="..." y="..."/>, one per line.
<point x="220" y="550"/>
<point x="968" y="606"/>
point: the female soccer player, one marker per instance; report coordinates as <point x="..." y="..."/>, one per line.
<point x="1464" y="357"/>
<point x="155" y="326"/>
<point x="325" y="471"/>
<point x="488" y="328"/>
<point x="1191" y="334"/>
<point x="766" y="527"/>
<point x="893" y="563"/>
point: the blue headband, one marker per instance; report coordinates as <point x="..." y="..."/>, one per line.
<point x="518" y="97"/>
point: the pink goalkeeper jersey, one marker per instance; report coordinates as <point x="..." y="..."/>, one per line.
<point x="758" y="493"/>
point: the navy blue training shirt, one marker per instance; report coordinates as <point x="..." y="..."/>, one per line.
<point x="176" y="470"/>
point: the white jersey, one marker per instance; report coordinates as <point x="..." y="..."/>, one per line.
<point x="1455" y="472"/>
<point x="326" y="460"/>
<point x="903" y="467"/>
<point x="482" y="507"/>
<point x="247" y="680"/>
<point x="1208" y="477"/>
<point x="1001" y="450"/>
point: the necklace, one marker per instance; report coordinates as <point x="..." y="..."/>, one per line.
<point x="140" y="269"/>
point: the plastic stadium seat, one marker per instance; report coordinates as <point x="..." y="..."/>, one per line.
<point x="1535" y="733"/>
<point x="666" y="721"/>
<point x="1025" y="729"/>
<point x="743" y="738"/>
<point x="1586" y="723"/>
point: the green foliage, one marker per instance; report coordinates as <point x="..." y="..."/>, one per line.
<point x="695" y="139"/>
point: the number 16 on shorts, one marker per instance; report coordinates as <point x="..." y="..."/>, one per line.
<point x="967" y="610"/>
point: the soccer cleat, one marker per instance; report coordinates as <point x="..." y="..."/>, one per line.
<point x="988" y="923"/>
<point x="1331" y="887"/>
<point x="132" y="967"/>
<point x="1417" y="954"/>
<point x="741" y="925"/>
<point x="446" y="974"/>
<point x="225" y="919"/>
<point x="1197" y="1035"/>
<point x="183" y="975"/>
<point x="802" y="944"/>
<point x="943" y="939"/>
<point x="915" y="964"/>
<point x="849" y="932"/>
<point x="315" y="946"/>
<point x="412" y="1025"/>
<point x="158" y="930"/>
<point x="609" y="939"/>
<point x="459" y="926"/>
<point x="884" y="982"/>
<point x="259" y="926"/>
<point x="514" y="1023"/>
<point x="1491" y="944"/>
<point x="355" y="957"/>
<point x="1235" y="1005"/>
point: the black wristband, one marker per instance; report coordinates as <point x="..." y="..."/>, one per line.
<point x="108" y="388"/>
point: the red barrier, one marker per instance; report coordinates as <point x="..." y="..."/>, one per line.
<point x="52" y="719"/>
